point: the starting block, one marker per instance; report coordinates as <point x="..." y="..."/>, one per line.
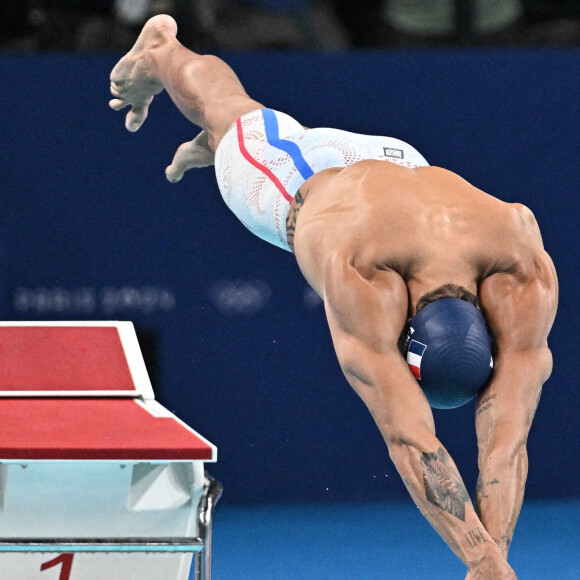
<point x="97" y="479"/>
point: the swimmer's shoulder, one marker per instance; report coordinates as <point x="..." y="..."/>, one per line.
<point x="524" y="214"/>
<point x="522" y="251"/>
<point x="525" y="223"/>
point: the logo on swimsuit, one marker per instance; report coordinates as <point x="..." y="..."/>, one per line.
<point x="391" y="152"/>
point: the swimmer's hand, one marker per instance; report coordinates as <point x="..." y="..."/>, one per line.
<point x="190" y="155"/>
<point x="488" y="568"/>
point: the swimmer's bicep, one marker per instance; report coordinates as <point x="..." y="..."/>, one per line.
<point x="365" y="319"/>
<point x="370" y="310"/>
<point x="520" y="314"/>
<point x="381" y="378"/>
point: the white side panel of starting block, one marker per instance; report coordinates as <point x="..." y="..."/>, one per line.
<point x="49" y="566"/>
<point x="97" y="480"/>
<point x="91" y="499"/>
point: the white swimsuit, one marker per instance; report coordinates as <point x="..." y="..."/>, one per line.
<point x="266" y="156"/>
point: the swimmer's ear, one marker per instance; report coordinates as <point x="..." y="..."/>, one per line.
<point x="403" y="342"/>
<point x="190" y="155"/>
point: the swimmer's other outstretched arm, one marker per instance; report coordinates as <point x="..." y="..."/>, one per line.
<point x="366" y="316"/>
<point x="520" y="311"/>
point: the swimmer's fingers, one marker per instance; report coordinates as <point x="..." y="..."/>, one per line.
<point x="192" y="154"/>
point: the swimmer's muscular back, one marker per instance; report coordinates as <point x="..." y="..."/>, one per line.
<point x="427" y="225"/>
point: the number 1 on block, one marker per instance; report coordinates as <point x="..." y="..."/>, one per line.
<point x="66" y="560"/>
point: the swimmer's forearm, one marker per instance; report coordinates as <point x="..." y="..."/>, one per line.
<point x="436" y="486"/>
<point x="500" y="493"/>
<point x="504" y="415"/>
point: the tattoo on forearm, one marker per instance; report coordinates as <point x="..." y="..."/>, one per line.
<point x="443" y="485"/>
<point x="475" y="537"/>
<point x="503" y="540"/>
<point x="481" y="492"/>
<point x="481" y="484"/>
<point x="485" y="404"/>
<point x="293" y="216"/>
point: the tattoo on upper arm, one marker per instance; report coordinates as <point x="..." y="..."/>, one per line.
<point x="293" y="216"/>
<point x="443" y="485"/>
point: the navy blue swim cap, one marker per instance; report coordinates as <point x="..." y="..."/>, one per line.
<point x="448" y="349"/>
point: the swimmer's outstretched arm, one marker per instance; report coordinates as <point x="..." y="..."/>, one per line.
<point x="520" y="313"/>
<point x="366" y="316"/>
<point x="203" y="87"/>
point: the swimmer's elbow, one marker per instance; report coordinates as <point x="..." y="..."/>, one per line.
<point x="403" y="438"/>
<point x="407" y="446"/>
<point x="418" y="436"/>
<point x="545" y="361"/>
<point x="536" y="363"/>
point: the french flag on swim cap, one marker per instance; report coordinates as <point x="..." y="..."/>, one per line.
<point x="415" y="356"/>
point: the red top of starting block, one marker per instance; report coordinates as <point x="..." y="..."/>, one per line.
<point x="96" y="429"/>
<point x="80" y="391"/>
<point x="71" y="359"/>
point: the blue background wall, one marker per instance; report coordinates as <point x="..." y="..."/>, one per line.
<point x="90" y="229"/>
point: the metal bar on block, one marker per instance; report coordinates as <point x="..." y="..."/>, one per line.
<point x="70" y="545"/>
<point x="211" y="494"/>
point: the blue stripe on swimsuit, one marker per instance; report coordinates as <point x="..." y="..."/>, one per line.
<point x="289" y="147"/>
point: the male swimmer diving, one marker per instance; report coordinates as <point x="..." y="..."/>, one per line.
<point x="381" y="236"/>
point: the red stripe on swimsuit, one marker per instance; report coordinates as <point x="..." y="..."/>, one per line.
<point x="258" y="165"/>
